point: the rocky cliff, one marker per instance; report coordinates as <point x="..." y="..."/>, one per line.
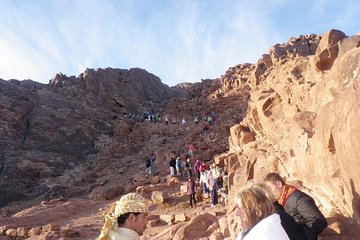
<point x="302" y="122"/>
<point x="294" y="112"/>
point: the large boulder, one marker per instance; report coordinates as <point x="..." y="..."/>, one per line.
<point x="327" y="50"/>
<point x="200" y="226"/>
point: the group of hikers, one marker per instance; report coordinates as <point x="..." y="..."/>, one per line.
<point x="267" y="210"/>
<point x="200" y="177"/>
<point x="209" y="119"/>
<point x="209" y="180"/>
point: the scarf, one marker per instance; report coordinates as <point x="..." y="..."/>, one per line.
<point x="285" y="194"/>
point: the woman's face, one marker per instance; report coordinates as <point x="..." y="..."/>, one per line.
<point x="241" y="214"/>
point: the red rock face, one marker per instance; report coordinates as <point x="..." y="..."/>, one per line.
<point x="50" y="130"/>
<point x="295" y="112"/>
<point x="302" y="123"/>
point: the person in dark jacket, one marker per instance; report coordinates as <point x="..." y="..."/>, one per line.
<point x="172" y="165"/>
<point x="292" y="229"/>
<point x="299" y="205"/>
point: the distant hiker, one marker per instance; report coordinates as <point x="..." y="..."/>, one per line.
<point x="209" y="120"/>
<point x="191" y="149"/>
<point x="203" y="167"/>
<point x="196" y="120"/>
<point x="217" y="174"/>
<point x="206" y="128"/>
<point x="148" y="165"/>
<point x="191" y="190"/>
<point x="197" y="169"/>
<point x="152" y="160"/>
<point x="174" y="120"/>
<point x="183" y="121"/>
<point x="166" y="121"/>
<point x="178" y="167"/>
<point x="225" y="181"/>
<point x="188" y="168"/>
<point x="210" y="182"/>
<point x="127" y="220"/>
<point x="203" y="182"/>
<point x="299" y="205"/>
<point x="172" y="165"/>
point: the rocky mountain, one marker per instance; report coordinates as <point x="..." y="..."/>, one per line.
<point x="69" y="149"/>
<point x="48" y="130"/>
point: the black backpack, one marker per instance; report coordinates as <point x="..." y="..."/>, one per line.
<point x="148" y="162"/>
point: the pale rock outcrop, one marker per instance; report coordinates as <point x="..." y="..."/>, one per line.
<point x="22" y="231"/>
<point x="168" y="233"/>
<point x="46" y="219"/>
<point x="347" y="44"/>
<point x="183" y="188"/>
<point x="304" y="126"/>
<point x="34" y="231"/>
<point x="157" y="197"/>
<point x="328" y="49"/>
<point x="167" y="218"/>
<point x="200" y="226"/>
<point x="301" y="46"/>
<point x="11" y="232"/>
<point x="224" y="228"/>
<point x="180" y="217"/>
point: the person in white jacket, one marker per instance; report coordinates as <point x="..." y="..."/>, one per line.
<point x="127" y="220"/>
<point x="257" y="215"/>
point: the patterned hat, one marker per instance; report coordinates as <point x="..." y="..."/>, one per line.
<point x="131" y="202"/>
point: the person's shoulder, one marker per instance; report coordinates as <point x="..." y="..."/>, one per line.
<point x="300" y="194"/>
<point x="269" y="228"/>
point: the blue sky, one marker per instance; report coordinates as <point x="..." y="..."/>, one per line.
<point x="177" y="40"/>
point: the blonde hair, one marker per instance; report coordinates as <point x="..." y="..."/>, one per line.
<point x="263" y="187"/>
<point x="255" y="204"/>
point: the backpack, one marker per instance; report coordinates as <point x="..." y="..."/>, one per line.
<point x="148" y="162"/>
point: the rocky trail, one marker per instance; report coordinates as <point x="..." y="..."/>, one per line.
<point x="81" y="218"/>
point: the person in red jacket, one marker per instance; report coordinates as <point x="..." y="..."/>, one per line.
<point x="191" y="149"/>
<point x="202" y="167"/>
<point x="299" y="205"/>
